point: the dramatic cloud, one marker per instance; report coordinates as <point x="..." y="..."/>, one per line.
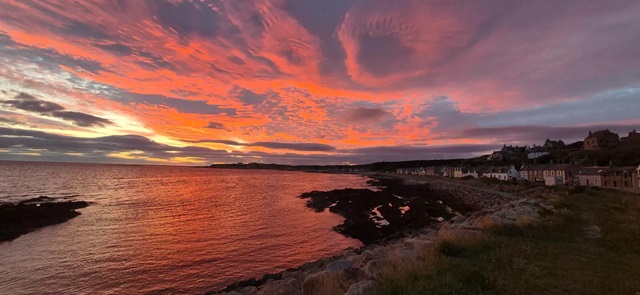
<point x="30" y="103"/>
<point x="307" y="81"/>
<point x="82" y="119"/>
<point x="364" y="115"/>
<point x="34" y="105"/>
<point x="214" y="125"/>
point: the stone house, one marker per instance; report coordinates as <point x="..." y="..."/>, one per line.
<point x="600" y="139"/>
<point x="634" y="137"/>
<point x="591" y="176"/>
<point x="619" y="177"/>
<point x="553" y="144"/>
<point x="533" y="173"/>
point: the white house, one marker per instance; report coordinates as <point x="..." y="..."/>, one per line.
<point x="513" y="172"/>
<point x="470" y="172"/>
<point x="497" y="173"/>
<point x="503" y="173"/>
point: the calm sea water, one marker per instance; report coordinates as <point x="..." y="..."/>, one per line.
<point x="157" y="229"/>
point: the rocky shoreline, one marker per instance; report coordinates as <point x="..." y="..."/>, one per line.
<point x="432" y="209"/>
<point x="26" y="216"/>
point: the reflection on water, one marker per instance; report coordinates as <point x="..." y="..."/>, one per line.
<point x="165" y="229"/>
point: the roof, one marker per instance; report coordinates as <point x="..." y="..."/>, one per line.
<point x="592" y="170"/>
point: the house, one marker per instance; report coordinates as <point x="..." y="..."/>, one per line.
<point x="503" y="173"/>
<point x="507" y="152"/>
<point x="553" y="144"/>
<point x="619" y="177"/>
<point x="434" y="171"/>
<point x="562" y="173"/>
<point x="524" y="174"/>
<point x="475" y="173"/>
<point x="533" y="173"/>
<point x="634" y="137"/>
<point x="499" y="156"/>
<point x="636" y="178"/>
<point x="513" y="149"/>
<point x="591" y="176"/>
<point x="513" y="173"/>
<point x="450" y="171"/>
<point x="535" y="152"/>
<point x="499" y="173"/>
<point x="600" y="139"/>
<point x="458" y="173"/>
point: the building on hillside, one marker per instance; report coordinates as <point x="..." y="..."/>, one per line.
<point x="554" y="144"/>
<point x="537" y="151"/>
<point x="634" y="137"/>
<point x="619" y="177"/>
<point x="507" y="152"/>
<point x="513" y="149"/>
<point x="591" y="176"/>
<point x="499" y="156"/>
<point x="600" y="139"/>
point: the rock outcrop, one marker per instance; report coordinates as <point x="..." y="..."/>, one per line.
<point x="26" y="216"/>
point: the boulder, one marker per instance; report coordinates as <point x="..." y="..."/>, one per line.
<point x="339" y="265"/>
<point x="288" y="286"/>
<point x="373" y="267"/>
<point x="250" y="290"/>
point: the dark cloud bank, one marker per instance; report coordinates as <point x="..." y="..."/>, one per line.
<point x="27" y="102"/>
<point x="54" y="147"/>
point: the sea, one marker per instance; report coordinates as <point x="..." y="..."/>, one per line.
<point x="165" y="229"/>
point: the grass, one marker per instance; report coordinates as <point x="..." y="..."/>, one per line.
<point x="557" y="256"/>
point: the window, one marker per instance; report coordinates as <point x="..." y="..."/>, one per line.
<point x="615" y="183"/>
<point x="596" y="181"/>
<point x="587" y="182"/>
<point x="626" y="184"/>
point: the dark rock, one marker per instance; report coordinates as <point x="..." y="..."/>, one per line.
<point x="26" y="216"/>
<point x="421" y="204"/>
<point x="40" y="199"/>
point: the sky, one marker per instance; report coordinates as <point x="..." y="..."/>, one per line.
<point x="310" y="81"/>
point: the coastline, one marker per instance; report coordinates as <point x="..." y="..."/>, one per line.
<point x="359" y="267"/>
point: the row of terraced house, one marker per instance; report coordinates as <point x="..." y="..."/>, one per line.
<point x="626" y="178"/>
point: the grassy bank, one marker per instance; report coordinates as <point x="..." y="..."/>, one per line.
<point x="591" y="246"/>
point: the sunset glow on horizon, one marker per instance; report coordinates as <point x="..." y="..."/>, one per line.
<point x="310" y="81"/>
